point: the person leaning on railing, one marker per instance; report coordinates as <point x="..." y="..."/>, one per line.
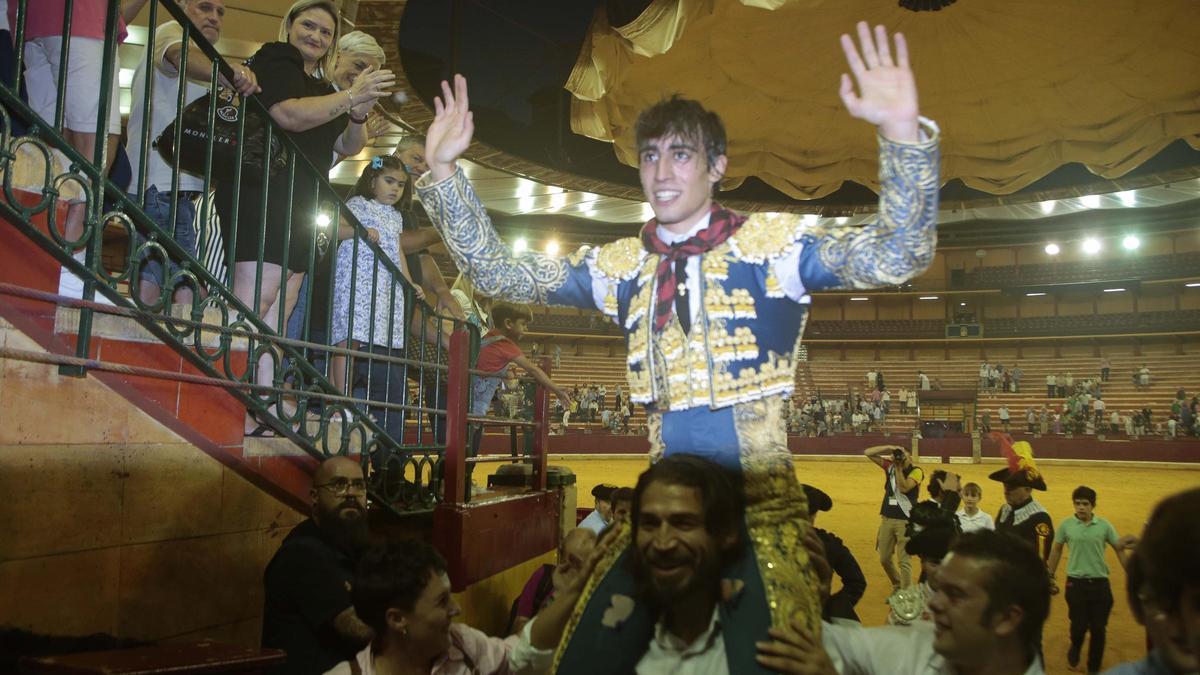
<point x="160" y="93"/>
<point x="82" y="83"/>
<point x="356" y="52"/>
<point x="293" y="74"/>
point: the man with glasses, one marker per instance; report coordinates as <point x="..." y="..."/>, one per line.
<point x="308" y="610"/>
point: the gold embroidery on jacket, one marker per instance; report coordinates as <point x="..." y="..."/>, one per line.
<point x="621" y="259"/>
<point x="765" y="236"/>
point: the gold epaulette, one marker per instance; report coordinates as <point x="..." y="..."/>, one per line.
<point x="620" y="260"/>
<point x="766" y="236"/>
<point x="580" y="254"/>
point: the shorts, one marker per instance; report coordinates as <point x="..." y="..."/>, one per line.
<point x="82" y="99"/>
<point x="483" y="389"/>
<point x="158" y="206"/>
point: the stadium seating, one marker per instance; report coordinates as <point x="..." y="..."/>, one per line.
<point x="1169" y="266"/>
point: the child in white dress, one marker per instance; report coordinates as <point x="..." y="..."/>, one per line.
<point x="363" y="284"/>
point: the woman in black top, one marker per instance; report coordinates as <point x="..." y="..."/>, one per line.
<point x="321" y="121"/>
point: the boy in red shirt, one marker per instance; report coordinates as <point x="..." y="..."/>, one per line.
<point x="497" y="350"/>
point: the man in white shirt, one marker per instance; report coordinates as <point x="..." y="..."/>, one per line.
<point x="601" y="516"/>
<point x="163" y="84"/>
<point x="991" y="598"/>
<point x="1004" y="417"/>
<point x="970" y="517"/>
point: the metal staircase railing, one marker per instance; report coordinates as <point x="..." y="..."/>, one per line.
<point x="408" y="468"/>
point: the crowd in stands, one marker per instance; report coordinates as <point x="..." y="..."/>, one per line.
<point x="824" y="417"/>
<point x="1083" y="410"/>
<point x="589" y="404"/>
<point x="995" y="377"/>
<point x="863" y="411"/>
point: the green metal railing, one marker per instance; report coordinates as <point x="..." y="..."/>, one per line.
<point x="405" y="457"/>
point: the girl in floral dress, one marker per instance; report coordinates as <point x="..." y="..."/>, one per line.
<point x="368" y="303"/>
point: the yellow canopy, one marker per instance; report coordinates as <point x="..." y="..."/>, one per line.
<point x="1019" y="87"/>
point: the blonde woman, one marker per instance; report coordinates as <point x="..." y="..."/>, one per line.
<point x="357" y="52"/>
<point x="294" y="75"/>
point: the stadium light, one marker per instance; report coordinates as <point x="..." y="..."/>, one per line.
<point x="858" y="299"/>
<point x="1052" y="249"/>
<point x="928" y="297"/>
<point x="1090" y="201"/>
<point x="1091" y="246"/>
<point x="552" y="247"/>
<point x="1128" y="198"/>
<point x="520" y="246"/>
<point x="1113" y="290"/>
<point x="1131" y="242"/>
<point x="1048" y="207"/>
<point x="1034" y="295"/>
<point x="1194" y="284"/>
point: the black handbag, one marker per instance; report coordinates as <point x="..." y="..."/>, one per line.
<point x="194" y="139"/>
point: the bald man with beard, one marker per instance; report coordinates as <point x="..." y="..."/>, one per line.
<point x="308" y="610"/>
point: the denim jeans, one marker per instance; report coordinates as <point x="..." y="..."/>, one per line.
<point x="158" y="206"/>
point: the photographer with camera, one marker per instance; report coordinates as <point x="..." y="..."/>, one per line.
<point x="901" y="489"/>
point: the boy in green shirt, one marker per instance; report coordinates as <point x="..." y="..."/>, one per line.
<point x="1089" y="596"/>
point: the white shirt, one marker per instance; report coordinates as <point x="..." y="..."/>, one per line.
<point x="514" y="655"/>
<point x="979" y="521"/>
<point x="164" y="99"/>
<point x="889" y="649"/>
<point x="594" y="522"/>
<point x="669" y="654"/>
<point x="787" y="271"/>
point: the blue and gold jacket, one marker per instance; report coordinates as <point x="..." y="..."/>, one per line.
<point x="754" y="286"/>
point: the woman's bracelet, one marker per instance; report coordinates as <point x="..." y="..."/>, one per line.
<point x="357" y="120"/>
